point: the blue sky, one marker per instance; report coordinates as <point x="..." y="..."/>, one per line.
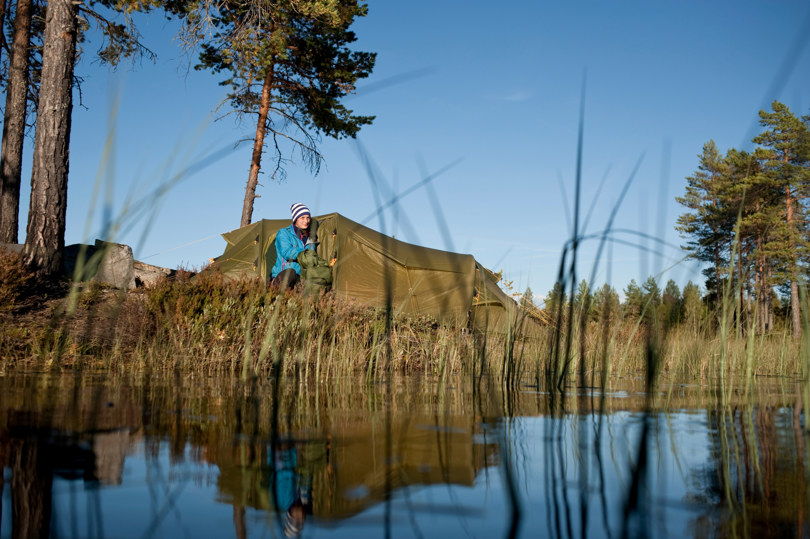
<point x="491" y="93"/>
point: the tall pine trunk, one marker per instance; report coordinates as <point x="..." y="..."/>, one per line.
<point x="794" y="285"/>
<point x="741" y="306"/>
<point x="11" y="150"/>
<point x="45" y="235"/>
<point x="764" y="306"/>
<point x="258" y="148"/>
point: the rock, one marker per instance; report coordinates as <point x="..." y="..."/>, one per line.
<point x="148" y="275"/>
<point x="116" y="265"/>
<point x="79" y="251"/>
<point x="105" y="262"/>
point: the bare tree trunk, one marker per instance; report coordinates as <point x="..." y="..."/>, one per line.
<point x="795" y="313"/>
<point x="794" y="285"/>
<point x="741" y="307"/>
<point x="764" y="298"/>
<point x="770" y="312"/>
<point x="258" y="148"/>
<point x="759" y="287"/>
<point x="45" y="237"/>
<point x="11" y="150"/>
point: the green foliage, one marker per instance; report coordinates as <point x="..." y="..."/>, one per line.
<point x="785" y="170"/>
<point x="708" y="220"/>
<point x="582" y="296"/>
<point x="746" y="218"/>
<point x="120" y="39"/>
<point x="605" y="304"/>
<point x="671" y="304"/>
<point x="652" y="294"/>
<point x="294" y="52"/>
<point x="633" y="299"/>
<point x="555" y="301"/>
<point x="527" y="298"/>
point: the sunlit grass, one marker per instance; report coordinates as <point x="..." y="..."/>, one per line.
<point x="210" y="324"/>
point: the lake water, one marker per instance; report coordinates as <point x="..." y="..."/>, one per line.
<point x="109" y="456"/>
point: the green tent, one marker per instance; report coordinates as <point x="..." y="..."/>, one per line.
<point x="367" y="265"/>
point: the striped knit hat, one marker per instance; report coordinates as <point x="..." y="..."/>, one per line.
<point x="298" y="210"/>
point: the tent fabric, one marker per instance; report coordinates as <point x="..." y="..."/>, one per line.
<point x="369" y="264"/>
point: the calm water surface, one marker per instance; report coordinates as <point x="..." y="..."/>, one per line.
<point x="413" y="457"/>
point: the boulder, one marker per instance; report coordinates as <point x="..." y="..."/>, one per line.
<point x="115" y="265"/>
<point x="70" y="259"/>
<point x="148" y="275"/>
<point x="105" y="262"/>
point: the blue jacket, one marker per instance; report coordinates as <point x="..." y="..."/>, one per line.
<point x="288" y="247"/>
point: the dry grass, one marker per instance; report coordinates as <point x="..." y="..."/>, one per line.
<point x="210" y="325"/>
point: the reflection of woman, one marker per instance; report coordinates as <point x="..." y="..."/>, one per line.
<point x="290" y="493"/>
<point x="294" y="519"/>
<point x="291" y="242"/>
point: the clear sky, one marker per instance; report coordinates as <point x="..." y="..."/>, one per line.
<point x="488" y="94"/>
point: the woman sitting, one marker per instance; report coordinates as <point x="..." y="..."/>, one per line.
<point x="291" y="241"/>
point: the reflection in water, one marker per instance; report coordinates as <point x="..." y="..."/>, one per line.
<point x="95" y="457"/>
<point x="759" y="458"/>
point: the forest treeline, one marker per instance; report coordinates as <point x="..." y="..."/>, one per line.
<point x="664" y="308"/>
<point x="286" y="63"/>
<point x="746" y="219"/>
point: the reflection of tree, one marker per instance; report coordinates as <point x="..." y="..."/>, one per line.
<point x="35" y="457"/>
<point x="758" y="474"/>
<point x="31" y="488"/>
<point x="355" y="445"/>
<point x="3" y="461"/>
<point x="49" y="428"/>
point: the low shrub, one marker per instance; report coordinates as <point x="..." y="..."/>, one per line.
<point x="16" y="280"/>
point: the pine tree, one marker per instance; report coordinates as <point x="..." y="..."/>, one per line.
<point x="782" y="155"/>
<point x="605" y="304"/>
<point x="708" y="223"/>
<point x="671" y="303"/>
<point x="527" y="299"/>
<point x="65" y="23"/>
<point x="651" y="300"/>
<point x="693" y="307"/>
<point x="583" y="300"/>
<point x="633" y="300"/>
<point x="45" y="234"/>
<point x="756" y="198"/>
<point x="288" y="62"/>
<point x="556" y="301"/>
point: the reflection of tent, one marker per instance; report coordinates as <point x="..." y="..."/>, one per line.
<point x="448" y="286"/>
<point x="357" y="466"/>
